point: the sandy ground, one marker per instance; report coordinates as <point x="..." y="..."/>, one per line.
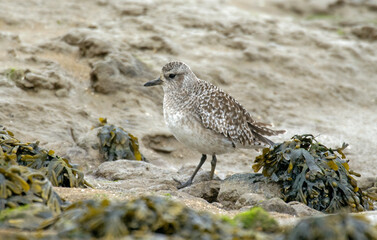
<point x="305" y="66"/>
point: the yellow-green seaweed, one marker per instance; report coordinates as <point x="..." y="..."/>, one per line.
<point x="258" y="219"/>
<point x="21" y="186"/>
<point x="58" y="170"/>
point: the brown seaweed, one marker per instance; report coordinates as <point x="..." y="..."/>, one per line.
<point x="27" y="217"/>
<point x="116" y="143"/>
<point x="313" y="174"/>
<point x="58" y="170"/>
<point x="21" y="185"/>
<point x="147" y="216"/>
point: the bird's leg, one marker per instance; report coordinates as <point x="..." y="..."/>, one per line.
<point x="189" y="182"/>
<point x="213" y="166"/>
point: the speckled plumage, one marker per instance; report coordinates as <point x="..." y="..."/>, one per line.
<point x="204" y="117"/>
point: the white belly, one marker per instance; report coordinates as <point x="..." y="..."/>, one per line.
<point x="191" y="132"/>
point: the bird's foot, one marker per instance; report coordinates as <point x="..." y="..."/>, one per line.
<point x="183" y="185"/>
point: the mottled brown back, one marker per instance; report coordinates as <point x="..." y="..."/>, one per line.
<point x="223" y="114"/>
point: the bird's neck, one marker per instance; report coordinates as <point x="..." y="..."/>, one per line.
<point x="180" y="97"/>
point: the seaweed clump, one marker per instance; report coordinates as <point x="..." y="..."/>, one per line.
<point x="21" y="186"/>
<point x="57" y="169"/>
<point x="153" y="217"/>
<point x="116" y="143"/>
<point x="340" y="226"/>
<point x="313" y="174"/>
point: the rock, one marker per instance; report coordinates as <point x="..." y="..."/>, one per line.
<point x="367" y="182"/>
<point x="128" y="169"/>
<point x="298" y="209"/>
<point x="303" y="210"/>
<point x="369" y="186"/>
<point x="233" y="187"/>
<point x="89" y="140"/>
<point x="308" y="7"/>
<point x="202" y="186"/>
<point x="256" y="53"/>
<point x="75" y="37"/>
<point x="365" y="32"/>
<point x="133" y="10"/>
<point x="208" y="190"/>
<point x="8" y="36"/>
<point x="90" y="143"/>
<point x="94" y="47"/>
<point x="334" y="226"/>
<point x="89" y="45"/>
<point x="155" y="43"/>
<point x="372" y="4"/>
<point x="217" y="204"/>
<point x="277" y="205"/>
<point x="250" y="200"/>
<point x="50" y="79"/>
<point x="185" y="172"/>
<point x="57" y="46"/>
<point x="161" y="143"/>
<point x="61" y="93"/>
<point x="104" y="77"/>
<point x="115" y="72"/>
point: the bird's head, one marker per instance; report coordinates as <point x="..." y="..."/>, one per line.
<point x="174" y="76"/>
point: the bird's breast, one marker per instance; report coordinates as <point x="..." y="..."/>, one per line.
<point x="189" y="130"/>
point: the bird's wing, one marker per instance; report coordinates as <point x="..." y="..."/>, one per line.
<point x="223" y="114"/>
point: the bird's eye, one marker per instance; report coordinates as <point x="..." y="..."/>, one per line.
<point x="171" y="76"/>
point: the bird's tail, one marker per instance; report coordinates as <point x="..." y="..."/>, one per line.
<point x="259" y="129"/>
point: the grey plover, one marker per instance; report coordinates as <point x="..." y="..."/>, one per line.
<point x="205" y="118"/>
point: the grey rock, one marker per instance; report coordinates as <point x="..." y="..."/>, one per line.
<point x="131" y="169"/>
<point x="116" y="72"/>
<point x="365" y="32"/>
<point x="294" y="208"/>
<point x="49" y="79"/>
<point x="7" y="36"/>
<point x="94" y="47"/>
<point x="133" y="10"/>
<point x="367" y="182"/>
<point x="61" y="93"/>
<point x="233" y="187"/>
<point x="104" y="76"/>
<point x="303" y="210"/>
<point x="75" y="37"/>
<point x="309" y="6"/>
<point x="202" y="186"/>
<point x="185" y="172"/>
<point x="89" y="45"/>
<point x="277" y="205"/>
<point x="162" y="143"/>
<point x="250" y="199"/>
<point x="256" y="54"/>
<point x="208" y="190"/>
<point x="155" y="43"/>
<point x="89" y="142"/>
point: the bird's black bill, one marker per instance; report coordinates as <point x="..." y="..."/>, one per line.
<point x="155" y="82"/>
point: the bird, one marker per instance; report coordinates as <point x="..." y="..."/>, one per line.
<point x="205" y="118"/>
